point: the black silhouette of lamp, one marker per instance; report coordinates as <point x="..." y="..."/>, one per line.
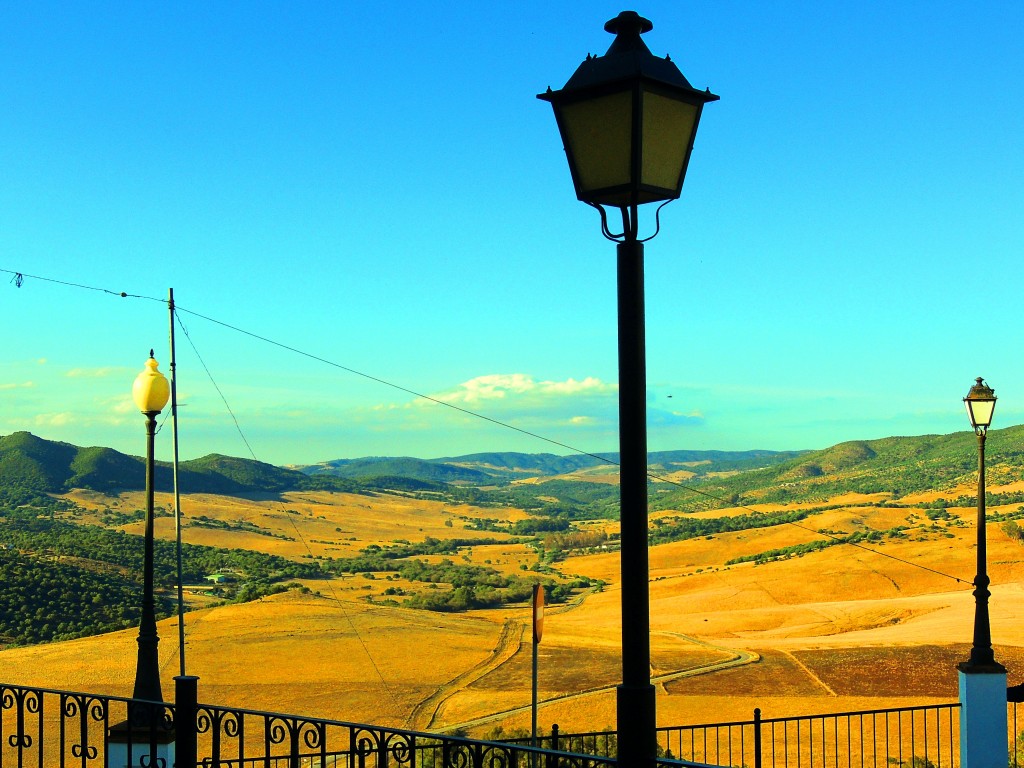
<point x="628" y="121"/>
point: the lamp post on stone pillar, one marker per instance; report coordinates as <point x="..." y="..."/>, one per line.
<point x="983" y="722"/>
<point x="628" y="121"/>
<point x="150" y="392"/>
<point x="144" y="735"/>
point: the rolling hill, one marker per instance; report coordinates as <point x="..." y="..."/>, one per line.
<point x="32" y="463"/>
<point x="894" y="465"/>
<point x="731" y="582"/>
<point x="684" y="480"/>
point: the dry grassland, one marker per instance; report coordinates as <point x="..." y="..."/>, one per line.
<point x="835" y="630"/>
<point x="316" y="523"/>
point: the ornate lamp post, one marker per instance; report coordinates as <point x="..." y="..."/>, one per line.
<point x="628" y="120"/>
<point x="981" y="404"/>
<point x="146" y="739"/>
<point x="150" y="392"/>
<point x="981" y="679"/>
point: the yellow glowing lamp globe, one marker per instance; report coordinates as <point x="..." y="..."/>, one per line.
<point x="151" y="389"/>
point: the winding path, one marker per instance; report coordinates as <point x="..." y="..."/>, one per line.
<point x="737" y="658"/>
<point x="509" y="641"/>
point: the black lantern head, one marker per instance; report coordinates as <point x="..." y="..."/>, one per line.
<point x="981" y="404"/>
<point x="628" y="120"/>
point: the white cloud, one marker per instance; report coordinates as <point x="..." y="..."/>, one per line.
<point x="54" y="419"/>
<point x="23" y="385"/>
<point x="94" y="373"/>
<point x="518" y="387"/>
<point x="124" y="405"/>
<point x="659" y="418"/>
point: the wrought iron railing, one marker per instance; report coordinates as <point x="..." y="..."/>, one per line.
<point x="600" y="743"/>
<point x="63" y="729"/>
<point x="44" y="727"/>
<point x="1015" y="722"/>
<point x="41" y="727"/>
<point x="881" y="738"/>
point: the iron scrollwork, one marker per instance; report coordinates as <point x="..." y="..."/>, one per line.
<point x="220" y="723"/>
<point x="401" y="747"/>
<point x="23" y="700"/>
<point x="83" y="707"/>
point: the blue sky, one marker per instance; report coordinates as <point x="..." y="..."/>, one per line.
<point x="377" y="185"/>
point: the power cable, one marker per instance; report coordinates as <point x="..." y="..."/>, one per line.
<point x="392" y="385"/>
<point x="215" y="385"/>
<point x="291" y="521"/>
<point x="551" y="441"/>
<point x="19" y="276"/>
<point x="19" y="279"/>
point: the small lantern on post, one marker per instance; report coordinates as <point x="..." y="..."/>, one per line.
<point x="981" y="404"/>
<point x="982" y="679"/>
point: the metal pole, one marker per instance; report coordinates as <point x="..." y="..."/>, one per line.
<point x="537" y="604"/>
<point x="177" y="495"/>
<point x="186" y="699"/>
<point x="147" y="669"/>
<point x="533" y="706"/>
<point x="981" y="650"/>
<point x="636" y="718"/>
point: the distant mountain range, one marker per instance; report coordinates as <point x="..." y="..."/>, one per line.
<point x="895" y="465"/>
<point x="30" y="462"/>
<point x="488" y="468"/>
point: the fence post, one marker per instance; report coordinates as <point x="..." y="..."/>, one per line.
<point x="186" y="698"/>
<point x="550" y="761"/>
<point x="757" y="737"/>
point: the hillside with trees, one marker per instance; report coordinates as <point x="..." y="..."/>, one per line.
<point x="66" y="579"/>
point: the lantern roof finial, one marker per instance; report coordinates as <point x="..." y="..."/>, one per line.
<point x="628" y="23"/>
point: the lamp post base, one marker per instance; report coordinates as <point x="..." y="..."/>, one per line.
<point x="983" y="717"/>
<point x="140" y="746"/>
<point x="637" y="734"/>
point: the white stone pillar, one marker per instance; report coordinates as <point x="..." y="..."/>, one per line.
<point x="983" y="724"/>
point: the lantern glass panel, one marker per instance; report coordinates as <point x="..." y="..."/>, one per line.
<point x="668" y="126"/>
<point x="980" y="412"/>
<point x="598" y="135"/>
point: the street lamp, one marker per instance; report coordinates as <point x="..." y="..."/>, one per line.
<point x="146" y="739"/>
<point x="981" y="403"/>
<point x="628" y="121"/>
<point x="150" y="392"/>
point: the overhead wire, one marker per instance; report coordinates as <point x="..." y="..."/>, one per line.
<point x="18" y="281"/>
<point x="291" y="521"/>
<point x="544" y="438"/>
<point x="393" y="385"/>
<point x="213" y="381"/>
<point x="460" y="409"/>
<point x="19" y="278"/>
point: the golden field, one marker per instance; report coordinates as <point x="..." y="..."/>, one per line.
<point x="839" y="629"/>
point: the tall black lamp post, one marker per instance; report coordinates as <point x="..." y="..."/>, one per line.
<point x="628" y="121"/>
<point x="150" y="392"/>
<point x="981" y="404"/>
